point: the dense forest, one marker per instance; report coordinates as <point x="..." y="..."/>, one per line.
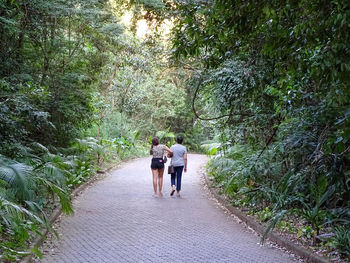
<point x="262" y="86"/>
<point x="274" y="81"/>
<point x="78" y="90"/>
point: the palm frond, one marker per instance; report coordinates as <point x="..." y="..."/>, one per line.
<point x="18" y="177"/>
<point x="63" y="195"/>
<point x="9" y="210"/>
<point x="51" y="170"/>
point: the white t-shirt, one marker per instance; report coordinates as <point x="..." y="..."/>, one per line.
<point x="178" y="155"/>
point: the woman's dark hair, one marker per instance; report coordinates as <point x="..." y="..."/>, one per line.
<point x="179" y="139"/>
<point x="155" y="141"/>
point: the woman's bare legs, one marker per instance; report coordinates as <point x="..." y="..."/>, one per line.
<point x="160" y="181"/>
<point x="155" y="176"/>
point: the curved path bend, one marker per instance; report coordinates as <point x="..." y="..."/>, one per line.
<point x="118" y="220"/>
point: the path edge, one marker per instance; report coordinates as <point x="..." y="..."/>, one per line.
<point x="39" y="240"/>
<point x="296" y="249"/>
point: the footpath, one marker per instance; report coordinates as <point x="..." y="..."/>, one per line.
<point x="117" y="220"/>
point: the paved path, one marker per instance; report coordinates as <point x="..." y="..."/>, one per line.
<point x="118" y="220"/>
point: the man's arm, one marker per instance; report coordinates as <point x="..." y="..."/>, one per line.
<point x="185" y="159"/>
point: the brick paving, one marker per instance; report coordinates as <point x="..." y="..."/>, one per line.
<point x="118" y="220"/>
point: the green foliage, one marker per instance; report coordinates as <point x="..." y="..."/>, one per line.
<point x="17" y="177"/>
<point x="37" y="252"/>
<point x="58" y="51"/>
<point x="30" y="187"/>
<point x="306" y="231"/>
<point x="274" y="220"/>
<point x="273" y="80"/>
<point x="166" y="137"/>
<point x="211" y="149"/>
<point x="20" y="213"/>
<point x="342" y="240"/>
<point x="285" y="226"/>
<point x="77" y="91"/>
<point x="314" y="213"/>
<point x="265" y="214"/>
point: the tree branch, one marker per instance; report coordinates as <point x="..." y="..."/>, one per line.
<point x="213" y="118"/>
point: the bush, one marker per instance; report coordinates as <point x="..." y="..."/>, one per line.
<point x="342" y="240"/>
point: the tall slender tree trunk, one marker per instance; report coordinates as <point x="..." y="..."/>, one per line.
<point x="103" y="111"/>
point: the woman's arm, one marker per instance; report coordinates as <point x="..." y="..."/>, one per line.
<point x="167" y="149"/>
<point x="185" y="159"/>
<point x="170" y="152"/>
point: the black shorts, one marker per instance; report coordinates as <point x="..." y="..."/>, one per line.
<point x="157" y="163"/>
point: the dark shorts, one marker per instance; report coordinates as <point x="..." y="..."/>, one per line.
<point x="157" y="163"/>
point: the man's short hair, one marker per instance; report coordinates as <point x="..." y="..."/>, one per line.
<point x="179" y="139"/>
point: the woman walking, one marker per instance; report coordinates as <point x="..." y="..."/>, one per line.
<point x="179" y="161"/>
<point x="157" y="165"/>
